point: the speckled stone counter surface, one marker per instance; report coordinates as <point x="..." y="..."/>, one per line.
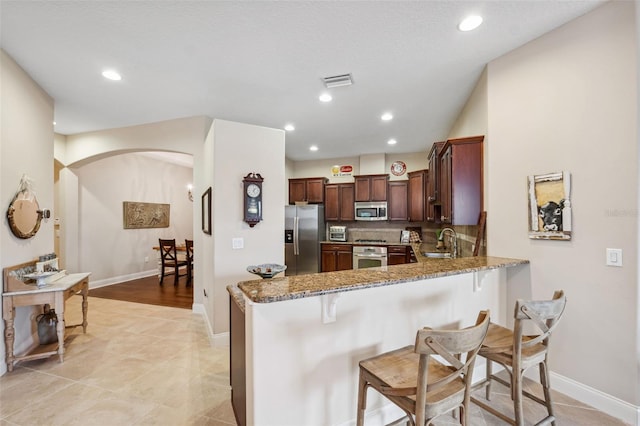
<point x="236" y="296"/>
<point x="296" y="287"/>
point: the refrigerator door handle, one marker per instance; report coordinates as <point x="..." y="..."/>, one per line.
<point x="296" y="243"/>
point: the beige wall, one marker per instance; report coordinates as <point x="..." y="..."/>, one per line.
<point x="568" y="101"/>
<point x="376" y="164"/>
<point x="26" y="147"/>
<point x="104" y="185"/>
<point x="264" y="243"/>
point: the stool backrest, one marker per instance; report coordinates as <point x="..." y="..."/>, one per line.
<point x="544" y="314"/>
<point x="450" y="345"/>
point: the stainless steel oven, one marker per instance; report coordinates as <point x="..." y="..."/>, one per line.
<point x="369" y="256"/>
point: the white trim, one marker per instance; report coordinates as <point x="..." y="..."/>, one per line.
<point x="122" y="278"/>
<point x="606" y="403"/>
<point x="217" y="340"/>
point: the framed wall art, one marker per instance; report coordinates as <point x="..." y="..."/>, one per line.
<point x="550" y="206"/>
<point x="145" y="215"/>
<point x="206" y="211"/>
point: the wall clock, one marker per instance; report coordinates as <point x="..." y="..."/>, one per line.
<point x="398" y="168"/>
<point x="252" y="186"/>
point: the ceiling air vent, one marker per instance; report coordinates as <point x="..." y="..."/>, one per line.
<point x="338" y="80"/>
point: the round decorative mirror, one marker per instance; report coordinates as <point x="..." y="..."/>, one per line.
<point x="24" y="214"/>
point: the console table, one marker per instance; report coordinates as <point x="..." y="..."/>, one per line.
<point x="17" y="293"/>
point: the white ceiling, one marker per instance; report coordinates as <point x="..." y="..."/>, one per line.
<point x="262" y="62"/>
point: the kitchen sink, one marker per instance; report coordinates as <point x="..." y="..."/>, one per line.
<point x="437" y="254"/>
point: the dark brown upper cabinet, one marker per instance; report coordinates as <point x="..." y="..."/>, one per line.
<point x="398" y="192"/>
<point x="338" y="202"/>
<point x="371" y="187"/>
<point x="461" y="181"/>
<point x="310" y="190"/>
<point x="418" y="182"/>
<point x="432" y="207"/>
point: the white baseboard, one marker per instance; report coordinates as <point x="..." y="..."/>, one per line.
<point x="606" y="403"/>
<point x="122" y="278"/>
<point x="217" y="340"/>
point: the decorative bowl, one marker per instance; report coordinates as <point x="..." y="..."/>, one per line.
<point x="266" y="270"/>
<point x="40" y="277"/>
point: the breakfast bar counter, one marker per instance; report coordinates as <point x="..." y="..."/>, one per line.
<point x="295" y="287"/>
<point x="296" y="340"/>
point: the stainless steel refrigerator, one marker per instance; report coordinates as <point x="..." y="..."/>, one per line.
<point x="303" y="230"/>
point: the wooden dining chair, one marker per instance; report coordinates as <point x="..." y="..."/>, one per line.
<point x="169" y="260"/>
<point x="517" y="352"/>
<point x="421" y="385"/>
<point x="188" y="244"/>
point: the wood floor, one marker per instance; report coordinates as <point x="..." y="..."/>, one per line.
<point x="147" y="290"/>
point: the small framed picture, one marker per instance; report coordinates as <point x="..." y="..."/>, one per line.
<point x="206" y="211"/>
<point x="405" y="236"/>
<point x="550" y="206"/>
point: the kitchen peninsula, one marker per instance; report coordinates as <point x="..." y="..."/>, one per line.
<point x="296" y="341"/>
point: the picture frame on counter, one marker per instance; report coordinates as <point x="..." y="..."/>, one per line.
<point x="550" y="206"/>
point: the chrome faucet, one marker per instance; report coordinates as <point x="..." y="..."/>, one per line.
<point x="454" y="241"/>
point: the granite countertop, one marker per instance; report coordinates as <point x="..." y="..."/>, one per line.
<point x="300" y="286"/>
<point x="369" y="243"/>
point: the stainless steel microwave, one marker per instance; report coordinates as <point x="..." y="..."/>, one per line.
<point x="371" y="210"/>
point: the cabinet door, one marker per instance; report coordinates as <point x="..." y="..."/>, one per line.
<point x="332" y="202"/>
<point x="344" y="259"/>
<point x="297" y="190"/>
<point x="315" y="190"/>
<point x="397" y="205"/>
<point x="379" y="187"/>
<point x="328" y="260"/>
<point x="362" y="186"/>
<point x="445" y="186"/>
<point x="461" y="181"/>
<point x="466" y="181"/>
<point x="397" y="255"/>
<point x="417" y="182"/>
<point x="347" y="209"/>
<point x="432" y="207"/>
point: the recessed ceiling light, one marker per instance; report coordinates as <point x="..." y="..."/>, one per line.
<point x="470" y="23"/>
<point x="111" y="75"/>
<point x="325" y="97"/>
<point x="289" y="128"/>
<point x="313" y="148"/>
<point x="392" y="141"/>
<point x="386" y="116"/>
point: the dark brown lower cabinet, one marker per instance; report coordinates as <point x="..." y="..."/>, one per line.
<point x="398" y="255"/>
<point x="337" y="257"/>
<point x="238" y="379"/>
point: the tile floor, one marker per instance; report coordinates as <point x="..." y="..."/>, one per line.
<point x="137" y="365"/>
<point x="151" y="365"/>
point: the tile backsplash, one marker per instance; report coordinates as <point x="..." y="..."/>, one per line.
<point x="390" y="232"/>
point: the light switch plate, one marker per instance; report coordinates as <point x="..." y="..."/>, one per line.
<point x="237" y="243"/>
<point x="614" y="257"/>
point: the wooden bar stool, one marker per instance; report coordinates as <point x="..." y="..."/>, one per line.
<point x="422" y="386"/>
<point x="517" y="352"/>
